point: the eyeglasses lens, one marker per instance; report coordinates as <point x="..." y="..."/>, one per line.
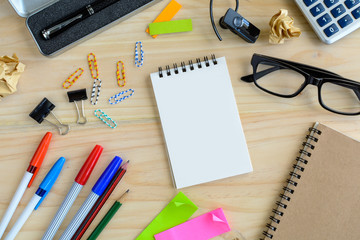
<point x="278" y="79"/>
<point x="341" y="97"/>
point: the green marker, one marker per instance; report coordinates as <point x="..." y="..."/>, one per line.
<point x="106" y="219"/>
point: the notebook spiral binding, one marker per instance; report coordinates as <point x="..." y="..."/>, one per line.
<point x="292" y="182"/>
<point x="192" y="66"/>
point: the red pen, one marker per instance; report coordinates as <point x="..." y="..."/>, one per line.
<point x="80" y="181"/>
<point x="27" y="180"/>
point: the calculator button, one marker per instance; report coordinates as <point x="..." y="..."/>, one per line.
<point x="337" y="11"/>
<point x="317" y="9"/>
<point x="323" y="20"/>
<point x="309" y="2"/>
<point x="343" y="22"/>
<point x="330" y="3"/>
<point x="329" y="31"/>
<point x="356" y="13"/>
<point x="351" y="3"/>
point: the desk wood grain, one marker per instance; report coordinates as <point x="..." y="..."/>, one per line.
<point x="274" y="127"/>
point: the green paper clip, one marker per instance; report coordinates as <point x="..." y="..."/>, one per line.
<point x="175" y="26"/>
<point x="178" y="211"/>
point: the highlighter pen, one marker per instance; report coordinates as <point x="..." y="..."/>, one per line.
<point x="38" y="197"/>
<point x="80" y="181"/>
<point x="95" y="193"/>
<point x="26" y="181"/>
<point x="106" y="219"/>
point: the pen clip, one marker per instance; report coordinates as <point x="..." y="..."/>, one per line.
<point x="41" y="200"/>
<point x="39" y="156"/>
<point x="49" y="180"/>
<point x="34" y="170"/>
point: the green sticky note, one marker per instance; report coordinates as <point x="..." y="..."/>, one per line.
<point x="184" y="25"/>
<point x="178" y="211"/>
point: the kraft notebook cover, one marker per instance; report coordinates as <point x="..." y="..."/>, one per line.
<point x="322" y="197"/>
<point x="200" y="121"/>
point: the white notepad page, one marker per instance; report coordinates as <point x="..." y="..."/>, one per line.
<point x="201" y="124"/>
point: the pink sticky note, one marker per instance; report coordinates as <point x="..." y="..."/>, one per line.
<point x="204" y="227"/>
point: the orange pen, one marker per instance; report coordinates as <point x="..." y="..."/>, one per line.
<point x="27" y="180"/>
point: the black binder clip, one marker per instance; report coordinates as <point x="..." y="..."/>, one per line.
<point x="42" y="110"/>
<point x="79" y="95"/>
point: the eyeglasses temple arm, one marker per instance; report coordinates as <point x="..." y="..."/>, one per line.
<point x="250" y="78"/>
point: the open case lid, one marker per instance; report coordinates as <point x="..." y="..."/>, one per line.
<point x="27" y="7"/>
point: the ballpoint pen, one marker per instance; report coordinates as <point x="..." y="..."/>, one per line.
<point x="76" y="17"/>
<point x="95" y="193"/>
<point x="106" y="219"/>
<point x="100" y="202"/>
<point x="26" y="181"/>
<point x="38" y="197"/>
<point x="80" y="181"/>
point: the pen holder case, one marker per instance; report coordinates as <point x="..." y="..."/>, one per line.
<point x="83" y="30"/>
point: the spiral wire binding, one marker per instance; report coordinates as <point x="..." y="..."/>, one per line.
<point x="199" y="64"/>
<point x="291" y="182"/>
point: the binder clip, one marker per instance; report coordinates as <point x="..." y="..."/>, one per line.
<point x="79" y="95"/>
<point x="42" y="110"/>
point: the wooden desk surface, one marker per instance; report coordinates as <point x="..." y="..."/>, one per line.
<point x="274" y="127"/>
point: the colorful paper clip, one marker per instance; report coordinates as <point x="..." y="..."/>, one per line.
<point x="118" y="77"/>
<point x="79" y="95"/>
<point x="72" y="79"/>
<point x="42" y="110"/>
<point x="116" y="98"/>
<point x="139" y="62"/>
<point x="97" y="82"/>
<point x="105" y="118"/>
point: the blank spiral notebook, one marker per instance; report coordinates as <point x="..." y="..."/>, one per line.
<point x="322" y="197"/>
<point x="200" y="121"/>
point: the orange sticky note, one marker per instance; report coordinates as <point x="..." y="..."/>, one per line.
<point x="167" y="14"/>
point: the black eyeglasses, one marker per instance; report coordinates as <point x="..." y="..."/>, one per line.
<point x="287" y="79"/>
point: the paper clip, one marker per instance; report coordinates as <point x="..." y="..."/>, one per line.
<point x="42" y="110"/>
<point x="138" y="62"/>
<point x="122" y="73"/>
<point x="79" y="95"/>
<point x="115" y="99"/>
<point x="72" y="79"/>
<point x="97" y="82"/>
<point x="108" y="121"/>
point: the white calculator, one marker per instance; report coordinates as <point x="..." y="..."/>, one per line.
<point x="331" y="19"/>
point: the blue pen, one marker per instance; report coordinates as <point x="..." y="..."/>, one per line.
<point x="38" y="197"/>
<point x="95" y="193"/>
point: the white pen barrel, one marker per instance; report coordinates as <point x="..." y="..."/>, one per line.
<point x="14" y="202"/>
<point x="79" y="216"/>
<point x="23" y="217"/>
<point x="62" y="211"/>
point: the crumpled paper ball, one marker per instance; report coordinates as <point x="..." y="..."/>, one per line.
<point x="282" y="27"/>
<point x="10" y="72"/>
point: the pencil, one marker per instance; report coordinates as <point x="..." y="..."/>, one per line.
<point x="106" y="219"/>
<point x="100" y="202"/>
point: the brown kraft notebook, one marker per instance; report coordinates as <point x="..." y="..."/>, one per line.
<point x="322" y="197"/>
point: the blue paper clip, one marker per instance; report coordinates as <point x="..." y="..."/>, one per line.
<point x="115" y="99"/>
<point x="138" y="62"/>
<point x="105" y="118"/>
